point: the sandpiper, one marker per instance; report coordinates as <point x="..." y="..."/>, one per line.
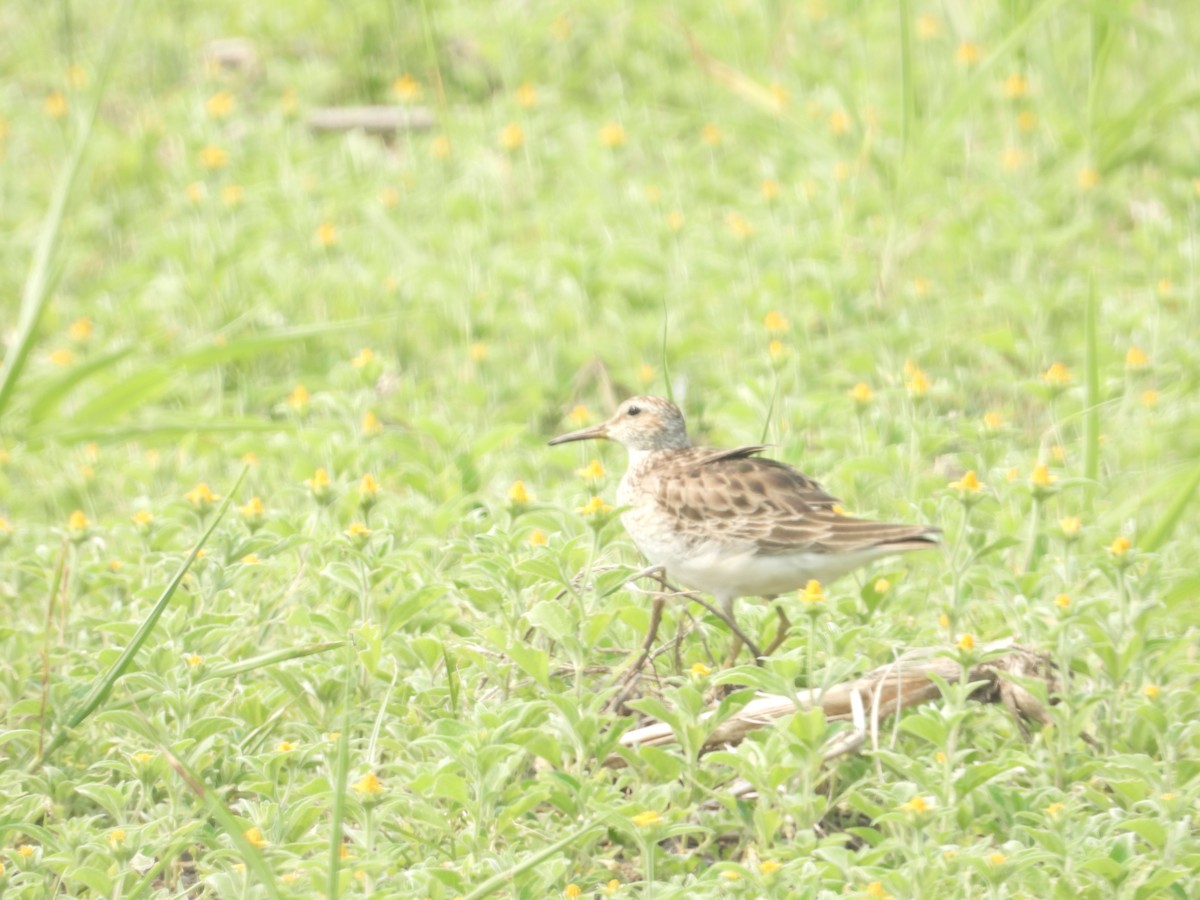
<point x="729" y="523"/>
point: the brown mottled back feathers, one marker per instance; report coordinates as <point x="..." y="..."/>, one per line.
<point x="733" y="495"/>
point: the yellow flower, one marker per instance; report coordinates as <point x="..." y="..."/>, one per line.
<point x="55" y="105"/>
<point x="579" y="414"/>
<point x="1062" y="601"/>
<point x="968" y="484"/>
<point x="512" y="136"/>
<point x="572" y="890"/>
<point x="142" y="757"/>
<point x="1012" y="159"/>
<point x="1087" y="178"/>
<point x="966" y="642"/>
<point x="116" y="837"/>
<point x="369" y="784"/>
<point x="287" y="100"/>
<point x="1119" y="547"/>
<point x="612" y="887"/>
<point x="767" y="866"/>
<point x="646" y="373"/>
<point x="253" y="510"/>
<point x="731" y="875"/>
<point x="195" y="192"/>
<point x="219" y="105"/>
<point x="517" y="492"/>
<point x="255" y="837"/>
<point x="1057" y="375"/>
<point x="364" y="358"/>
<point x="780" y="95"/>
<point x="214" y="157"/>
<point x="1040" y="477"/>
<point x="944" y="621"/>
<point x="1054" y="809"/>
<point x="201" y="496"/>
<point x="862" y="394"/>
<point x="882" y="585"/>
<point x="839" y="510"/>
<point x="921" y="287"/>
<point x="710" y="134"/>
<point x="997" y="859"/>
<point x="1151" y="691"/>
<point x="80" y="330"/>
<point x="1150" y="398"/>
<point x="675" y="220"/>
<point x="327" y="234"/>
<point x="61" y="357"/>
<point x="812" y="593"/>
<point x="406" y="88"/>
<point x="332" y="735"/>
<point x="918" y="383"/>
<point x="1070" y="525"/>
<point x="285" y="747"/>
<point x="939" y="758"/>
<point x="839" y="122"/>
<point x="26" y="851"/>
<point x="595" y="505"/>
<point x="1165" y="287"/>
<point x="646" y="819"/>
<point x="538" y="538"/>
<point x="439" y="147"/>
<point x="1135" y="358"/>
<point x="370" y="423"/>
<point x="775" y="322"/>
<point x="358" y="531"/>
<point x="194" y="660"/>
<point x="929" y="26"/>
<point x="1027" y="121"/>
<point x="738" y="226"/>
<point x="77" y="75"/>
<point x="993" y="421"/>
<point x="775" y="349"/>
<point x="770" y="189"/>
<point x="389" y="197"/>
<point x="968" y="53"/>
<point x="700" y="670"/>
<point x="1015" y="85"/>
<point x="594" y="471"/>
<point x="917" y="804"/>
<point x="612" y="134"/>
<point x="233" y="194"/>
<point x="478" y="351"/>
<point x="250" y="559"/>
<point x="319" y="481"/>
<point x="368" y="487"/>
<point x="527" y="95"/>
<point x="875" y="889"/>
<point x="298" y="398"/>
<point x="77" y="521"/>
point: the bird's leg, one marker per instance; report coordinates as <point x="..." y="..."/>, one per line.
<point x="785" y="626"/>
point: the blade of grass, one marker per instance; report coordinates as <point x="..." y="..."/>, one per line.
<point x="340" y="779"/>
<point x="500" y="879"/>
<point x="270" y="659"/>
<point x="103" y="687"/>
<point x="1165" y="526"/>
<point x="35" y="294"/>
<point x="1091" y="445"/>
<point x="908" y="95"/>
<point x="226" y="820"/>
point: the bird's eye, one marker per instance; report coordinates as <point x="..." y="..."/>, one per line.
<point x="634" y="410"/>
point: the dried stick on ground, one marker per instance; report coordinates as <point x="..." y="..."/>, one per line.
<point x="382" y="120"/>
<point x="881" y="692"/>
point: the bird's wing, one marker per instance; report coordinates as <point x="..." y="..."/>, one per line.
<point x="732" y="495"/>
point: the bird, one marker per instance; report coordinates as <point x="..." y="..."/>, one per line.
<point x="730" y="523"/>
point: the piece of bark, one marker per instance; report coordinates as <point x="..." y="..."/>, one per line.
<point x="382" y="120"/>
<point x="236" y="54"/>
<point x="881" y="692"/>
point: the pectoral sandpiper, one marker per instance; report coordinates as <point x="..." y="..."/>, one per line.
<point x="729" y="523"/>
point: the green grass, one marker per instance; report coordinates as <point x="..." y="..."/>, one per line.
<point x="898" y="198"/>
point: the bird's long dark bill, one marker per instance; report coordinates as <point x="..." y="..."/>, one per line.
<point x="595" y="433"/>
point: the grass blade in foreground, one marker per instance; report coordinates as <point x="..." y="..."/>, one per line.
<point x="101" y="689"/>
<point x="36" y="292"/>
<point x="1166" y="525"/>
<point x="1091" y="445"/>
<point x="500" y="879"/>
